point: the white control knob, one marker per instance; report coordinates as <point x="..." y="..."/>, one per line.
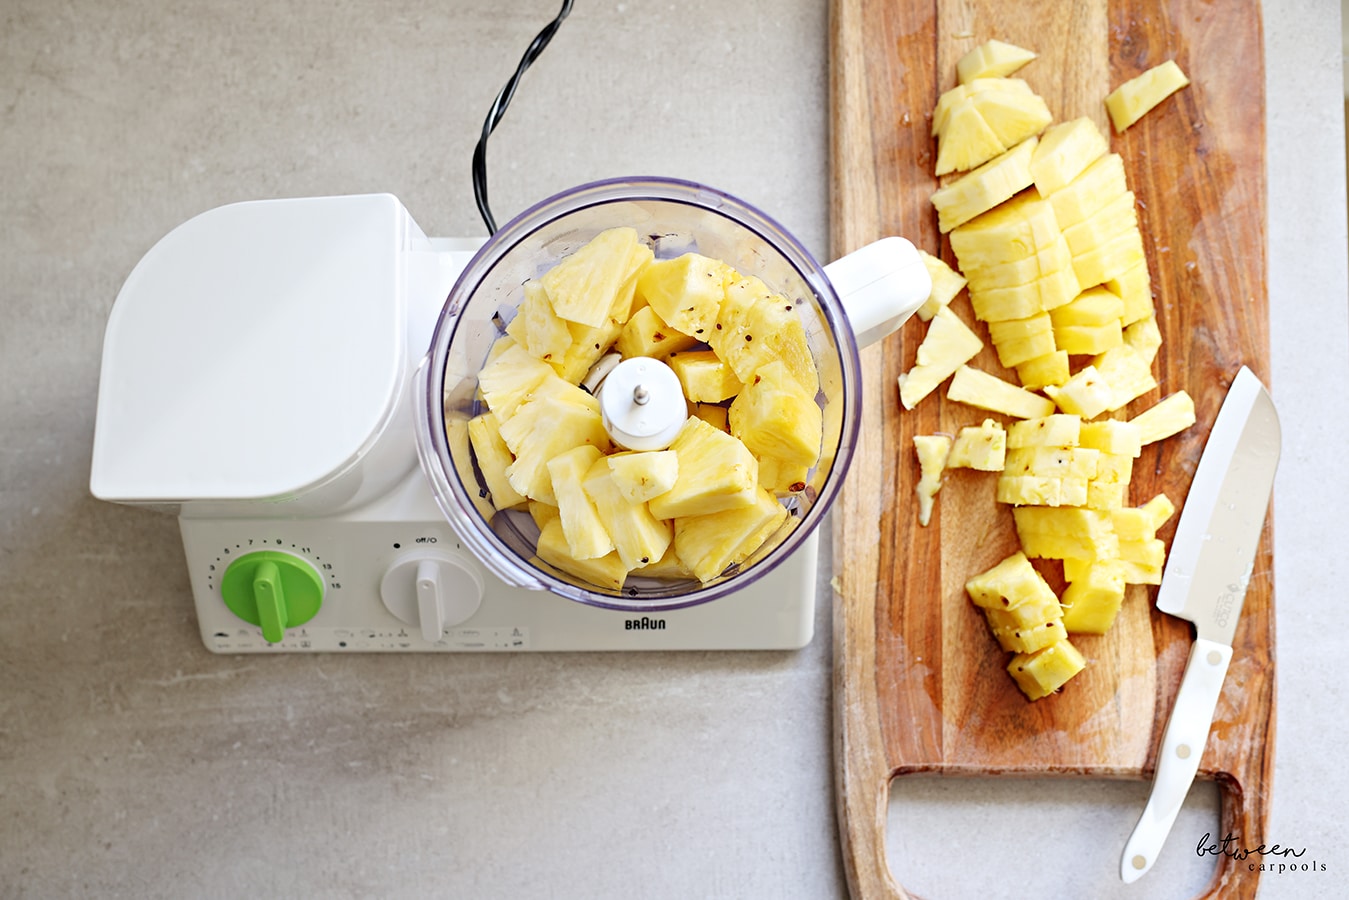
<point x="431" y="590"/>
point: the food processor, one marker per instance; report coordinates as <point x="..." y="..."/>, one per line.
<point x="293" y="378"/>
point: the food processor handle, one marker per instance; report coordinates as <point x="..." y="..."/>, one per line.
<point x="880" y="286"/>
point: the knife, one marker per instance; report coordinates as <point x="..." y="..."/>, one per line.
<point x="1207" y="571"/>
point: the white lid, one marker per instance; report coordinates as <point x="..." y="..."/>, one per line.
<point x="255" y="351"/>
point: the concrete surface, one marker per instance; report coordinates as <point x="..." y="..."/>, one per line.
<point x="135" y="764"/>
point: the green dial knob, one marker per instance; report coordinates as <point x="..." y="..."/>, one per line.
<point x="273" y="589"/>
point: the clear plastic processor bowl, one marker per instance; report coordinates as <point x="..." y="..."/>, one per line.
<point x="674" y="217"/>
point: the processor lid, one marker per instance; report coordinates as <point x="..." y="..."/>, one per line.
<point x="257" y="350"/>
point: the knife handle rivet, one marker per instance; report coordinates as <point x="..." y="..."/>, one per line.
<point x="1214" y="657"/>
<point x="1139" y="862"/>
<point x="1183" y="751"/>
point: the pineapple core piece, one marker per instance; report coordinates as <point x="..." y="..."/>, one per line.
<point x="1131" y="100"/>
<point x="708" y="544"/>
<point x="985" y="391"/>
<point x="991" y="59"/>
<point x="932" y="450"/>
<point x="1085" y="394"/>
<point x="584" y="285"/>
<point x="716" y="472"/>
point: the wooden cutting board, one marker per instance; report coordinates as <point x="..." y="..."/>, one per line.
<point x="919" y="684"/>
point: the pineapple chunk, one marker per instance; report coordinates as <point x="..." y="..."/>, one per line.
<point x="1160" y="508"/>
<point x="1088" y="340"/>
<point x="1167" y="417"/>
<point x="708" y="544"/>
<point x="932" y="450"/>
<point x="587" y="346"/>
<point x="541" y="512"/>
<point x="775" y="416"/>
<point x="587" y="537"/>
<point x="1088" y="193"/>
<point x="1065" y="532"/>
<point x="984" y="188"/>
<point x="643" y="475"/>
<point x="510" y="378"/>
<point x="639" y="537"/>
<point x="1007" y="233"/>
<point x="712" y="414"/>
<point x="1045" y="293"/>
<point x="704" y="377"/>
<point x="946" y="284"/>
<point x="1134" y="287"/>
<point x="957" y="95"/>
<point x="494" y="457"/>
<point x="1047" y="259"/>
<point x="1091" y="602"/>
<point x="982" y="447"/>
<point x="1013" y="117"/>
<point x="606" y="571"/>
<point x="1026" y="638"/>
<point x="1043" y="672"/>
<point x="948" y="344"/>
<point x="985" y="391"/>
<point x="584" y="285"/>
<point x="1085" y="394"/>
<point x="1064" y="152"/>
<point x="1112" y="220"/>
<point x="755" y="327"/>
<point x="1144" y="336"/>
<point x="716" y="472"/>
<point x="1011" y="584"/>
<point x="1058" y="462"/>
<point x="646" y="334"/>
<point x="782" y="477"/>
<point x="1128" y="372"/>
<point x="686" y="291"/>
<point x="557" y="417"/>
<point x="1112" y="436"/>
<point x="991" y="59"/>
<point x="537" y="327"/>
<point x="1094" y="306"/>
<point x="1042" y="371"/>
<point x="1053" y="430"/>
<point x="669" y="566"/>
<point x="1021" y="340"/>
<point x="1106" y="495"/>
<point x="1131" y="100"/>
<point x="1029" y="490"/>
<point x="966" y="140"/>
<point x="1104" y="262"/>
<point x="461" y="454"/>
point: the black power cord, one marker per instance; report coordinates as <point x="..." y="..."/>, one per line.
<point x="498" y="110"/>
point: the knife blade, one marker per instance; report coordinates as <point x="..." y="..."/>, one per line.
<point x="1208" y="569"/>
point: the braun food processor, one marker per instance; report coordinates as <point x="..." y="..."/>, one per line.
<point x="293" y="379"/>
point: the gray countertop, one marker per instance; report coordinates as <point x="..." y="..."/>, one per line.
<point x="134" y="763"/>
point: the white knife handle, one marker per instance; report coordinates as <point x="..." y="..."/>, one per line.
<point x="1179" y="755"/>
